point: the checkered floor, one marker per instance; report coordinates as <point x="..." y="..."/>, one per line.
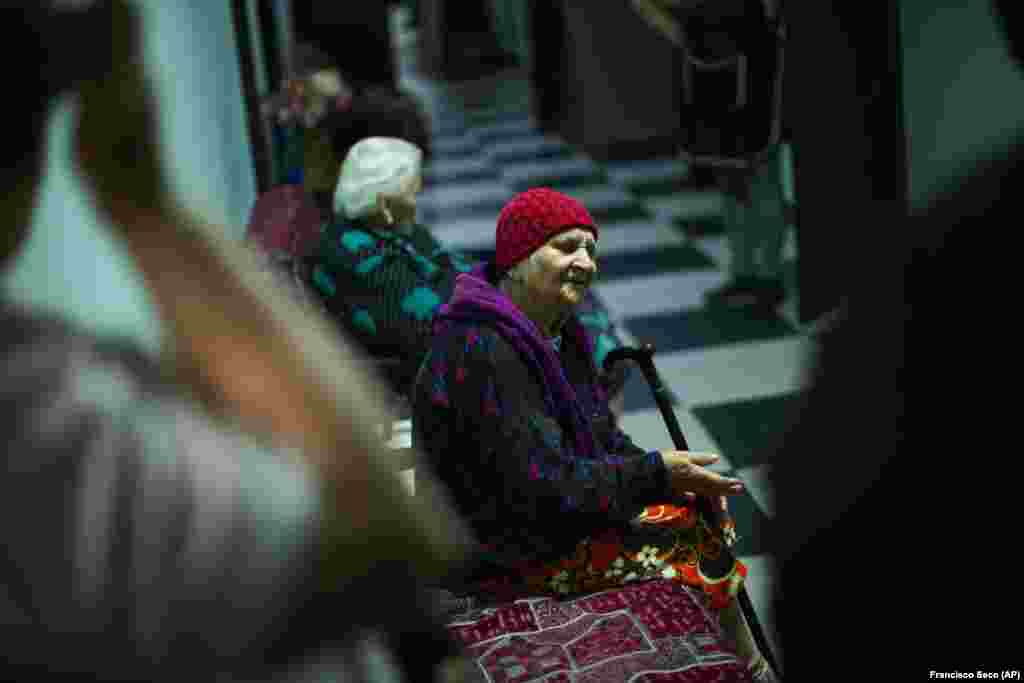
<point x="735" y="375"/>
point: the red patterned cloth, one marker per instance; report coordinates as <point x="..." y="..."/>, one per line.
<point x="665" y="542"/>
<point x="668" y="541"/>
<point x="656" y="631"/>
<point x="285" y="219"/>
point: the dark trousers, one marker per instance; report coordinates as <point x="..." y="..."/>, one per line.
<point x="548" y="74"/>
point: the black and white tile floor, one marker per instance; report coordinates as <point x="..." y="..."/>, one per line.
<point x="735" y="375"/>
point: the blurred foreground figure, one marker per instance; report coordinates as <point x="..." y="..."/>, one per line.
<point x="225" y="512"/>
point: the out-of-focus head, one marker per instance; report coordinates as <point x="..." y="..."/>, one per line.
<point x="380" y="178"/>
<point x="547" y="242"/>
<point x="314" y="88"/>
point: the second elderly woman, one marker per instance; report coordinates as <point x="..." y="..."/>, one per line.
<point x="383" y="276"/>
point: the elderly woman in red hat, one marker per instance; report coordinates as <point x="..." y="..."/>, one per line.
<point x="508" y="411"/>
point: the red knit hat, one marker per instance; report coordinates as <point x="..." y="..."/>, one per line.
<point x="531" y="218"/>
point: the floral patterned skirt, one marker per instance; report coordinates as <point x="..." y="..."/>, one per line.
<point x="665" y="542"/>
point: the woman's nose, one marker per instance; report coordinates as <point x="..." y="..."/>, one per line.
<point x="587" y="262"/>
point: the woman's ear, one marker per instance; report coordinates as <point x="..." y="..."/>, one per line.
<point x="515" y="273"/>
<point x="384" y="209"/>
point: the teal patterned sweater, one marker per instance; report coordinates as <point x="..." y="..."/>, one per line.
<point x="492" y="431"/>
<point x="384" y="289"/>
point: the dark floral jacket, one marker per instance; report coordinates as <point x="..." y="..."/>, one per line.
<point x="497" y="438"/>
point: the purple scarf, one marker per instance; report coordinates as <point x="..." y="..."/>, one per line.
<point x="476" y="300"/>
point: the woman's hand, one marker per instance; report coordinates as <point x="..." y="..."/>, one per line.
<point x="688" y="475"/>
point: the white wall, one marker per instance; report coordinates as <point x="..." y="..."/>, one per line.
<point x="69" y="265"/>
<point x="191" y="44"/>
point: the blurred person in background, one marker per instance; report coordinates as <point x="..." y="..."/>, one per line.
<point x="297" y="113"/>
<point x="731" y="116"/>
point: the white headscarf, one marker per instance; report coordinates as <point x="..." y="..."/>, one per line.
<point x="372" y="166"/>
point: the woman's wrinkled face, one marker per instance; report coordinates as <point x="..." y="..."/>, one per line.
<point x="401" y="206"/>
<point x="559" y="273"/>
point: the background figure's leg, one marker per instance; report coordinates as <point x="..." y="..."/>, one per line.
<point x="412" y="9"/>
<point x="510" y="20"/>
<point x="768" y="229"/>
<point x="741" y="289"/>
<point x="742" y="245"/>
<point x="786" y="179"/>
<point x="617" y="405"/>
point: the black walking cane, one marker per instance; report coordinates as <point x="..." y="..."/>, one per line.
<point x="643" y="357"/>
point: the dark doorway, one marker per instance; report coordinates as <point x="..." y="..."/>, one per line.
<point x="548" y="74"/>
<point x="272" y="48"/>
<point x="470" y="47"/>
<point x="354" y="35"/>
<point x="259" y="135"/>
